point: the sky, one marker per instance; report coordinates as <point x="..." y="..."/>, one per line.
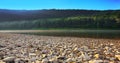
<point x="60" y="4"/>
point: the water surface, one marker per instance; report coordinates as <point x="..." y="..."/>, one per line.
<point x="112" y="34"/>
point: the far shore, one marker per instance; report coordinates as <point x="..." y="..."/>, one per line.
<point x="82" y="30"/>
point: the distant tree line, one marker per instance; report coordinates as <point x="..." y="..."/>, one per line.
<point x="70" y="22"/>
<point x="37" y="19"/>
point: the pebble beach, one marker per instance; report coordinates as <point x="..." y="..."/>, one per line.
<point x="22" y="48"/>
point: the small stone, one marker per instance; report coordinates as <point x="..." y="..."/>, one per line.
<point x="9" y="59"/>
<point x="117" y="56"/>
<point x="45" y="60"/>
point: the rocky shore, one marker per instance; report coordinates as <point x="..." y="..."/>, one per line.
<point x="21" y="48"/>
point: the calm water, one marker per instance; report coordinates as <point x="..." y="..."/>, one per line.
<point x="115" y="34"/>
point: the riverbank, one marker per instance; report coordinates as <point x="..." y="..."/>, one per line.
<point x="44" y="49"/>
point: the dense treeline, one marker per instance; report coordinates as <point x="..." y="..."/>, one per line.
<point x="37" y="19"/>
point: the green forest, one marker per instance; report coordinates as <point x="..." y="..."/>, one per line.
<point x="59" y="19"/>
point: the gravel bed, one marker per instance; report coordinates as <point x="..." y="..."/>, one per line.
<point x="21" y="48"/>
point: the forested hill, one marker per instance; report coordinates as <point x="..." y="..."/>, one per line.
<point x="11" y="15"/>
<point x="56" y="18"/>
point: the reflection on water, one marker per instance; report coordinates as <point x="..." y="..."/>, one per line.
<point x="73" y="33"/>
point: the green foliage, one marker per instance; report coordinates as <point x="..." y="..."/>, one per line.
<point x="69" y="22"/>
<point x="85" y="19"/>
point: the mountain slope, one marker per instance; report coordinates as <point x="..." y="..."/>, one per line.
<point x="37" y="19"/>
<point x="11" y="15"/>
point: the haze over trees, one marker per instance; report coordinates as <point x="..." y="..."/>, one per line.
<point x="56" y="18"/>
